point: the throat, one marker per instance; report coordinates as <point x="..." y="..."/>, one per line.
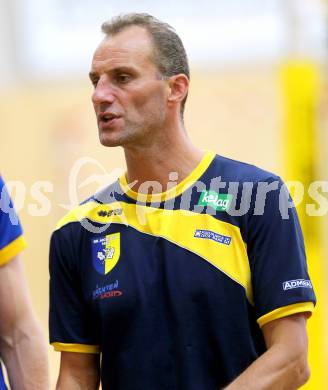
<point x="161" y="172"/>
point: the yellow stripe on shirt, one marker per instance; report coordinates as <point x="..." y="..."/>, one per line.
<point x="178" y="227"/>
<point x="81" y="348"/>
<point x="285" y="311"/>
<point x="11" y="250"/>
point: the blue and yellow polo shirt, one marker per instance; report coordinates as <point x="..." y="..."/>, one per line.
<point x="11" y="239"/>
<point x="173" y="288"/>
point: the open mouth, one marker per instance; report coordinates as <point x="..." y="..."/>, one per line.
<point x="108" y="118"/>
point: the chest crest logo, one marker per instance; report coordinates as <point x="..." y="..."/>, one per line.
<point x="106" y="252"/>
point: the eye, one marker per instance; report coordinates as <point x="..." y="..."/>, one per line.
<point x="94" y="82"/>
<point x="123" y="78"/>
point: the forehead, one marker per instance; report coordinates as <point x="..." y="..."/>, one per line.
<point x="132" y="45"/>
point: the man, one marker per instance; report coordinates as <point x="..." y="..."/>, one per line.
<point x="22" y="345"/>
<point x="175" y="287"/>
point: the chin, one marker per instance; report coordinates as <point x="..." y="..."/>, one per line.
<point x="121" y="137"/>
<point x="109" y="138"/>
<point x="109" y="141"/>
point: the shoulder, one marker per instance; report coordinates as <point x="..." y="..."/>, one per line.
<point x="11" y="234"/>
<point x="237" y="171"/>
<point x="90" y="207"/>
<point x="251" y="189"/>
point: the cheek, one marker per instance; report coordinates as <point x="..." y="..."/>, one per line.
<point x="156" y="108"/>
<point x="151" y="100"/>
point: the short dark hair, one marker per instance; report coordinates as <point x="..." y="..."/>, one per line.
<point x="169" y="54"/>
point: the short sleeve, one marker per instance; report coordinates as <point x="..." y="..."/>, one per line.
<point x="71" y="327"/>
<point x="11" y="239"/>
<point x="280" y="280"/>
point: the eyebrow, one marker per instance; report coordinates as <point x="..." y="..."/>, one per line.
<point x="93" y="75"/>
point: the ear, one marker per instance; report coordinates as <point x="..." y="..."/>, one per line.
<point x="178" y="88"/>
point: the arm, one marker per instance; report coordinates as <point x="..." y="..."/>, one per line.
<point x="72" y="329"/>
<point x="22" y="345"/>
<point x="78" y="371"/>
<point x="284" y="365"/>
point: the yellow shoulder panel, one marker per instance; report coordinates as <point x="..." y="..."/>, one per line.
<point x="178" y="227"/>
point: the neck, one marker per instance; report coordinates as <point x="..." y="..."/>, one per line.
<point x="157" y="161"/>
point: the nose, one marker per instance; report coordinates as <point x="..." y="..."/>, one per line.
<point x="103" y="92"/>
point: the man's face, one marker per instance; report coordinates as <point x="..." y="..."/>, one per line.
<point x="129" y="96"/>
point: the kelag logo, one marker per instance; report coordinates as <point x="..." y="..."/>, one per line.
<point x="219" y="202"/>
